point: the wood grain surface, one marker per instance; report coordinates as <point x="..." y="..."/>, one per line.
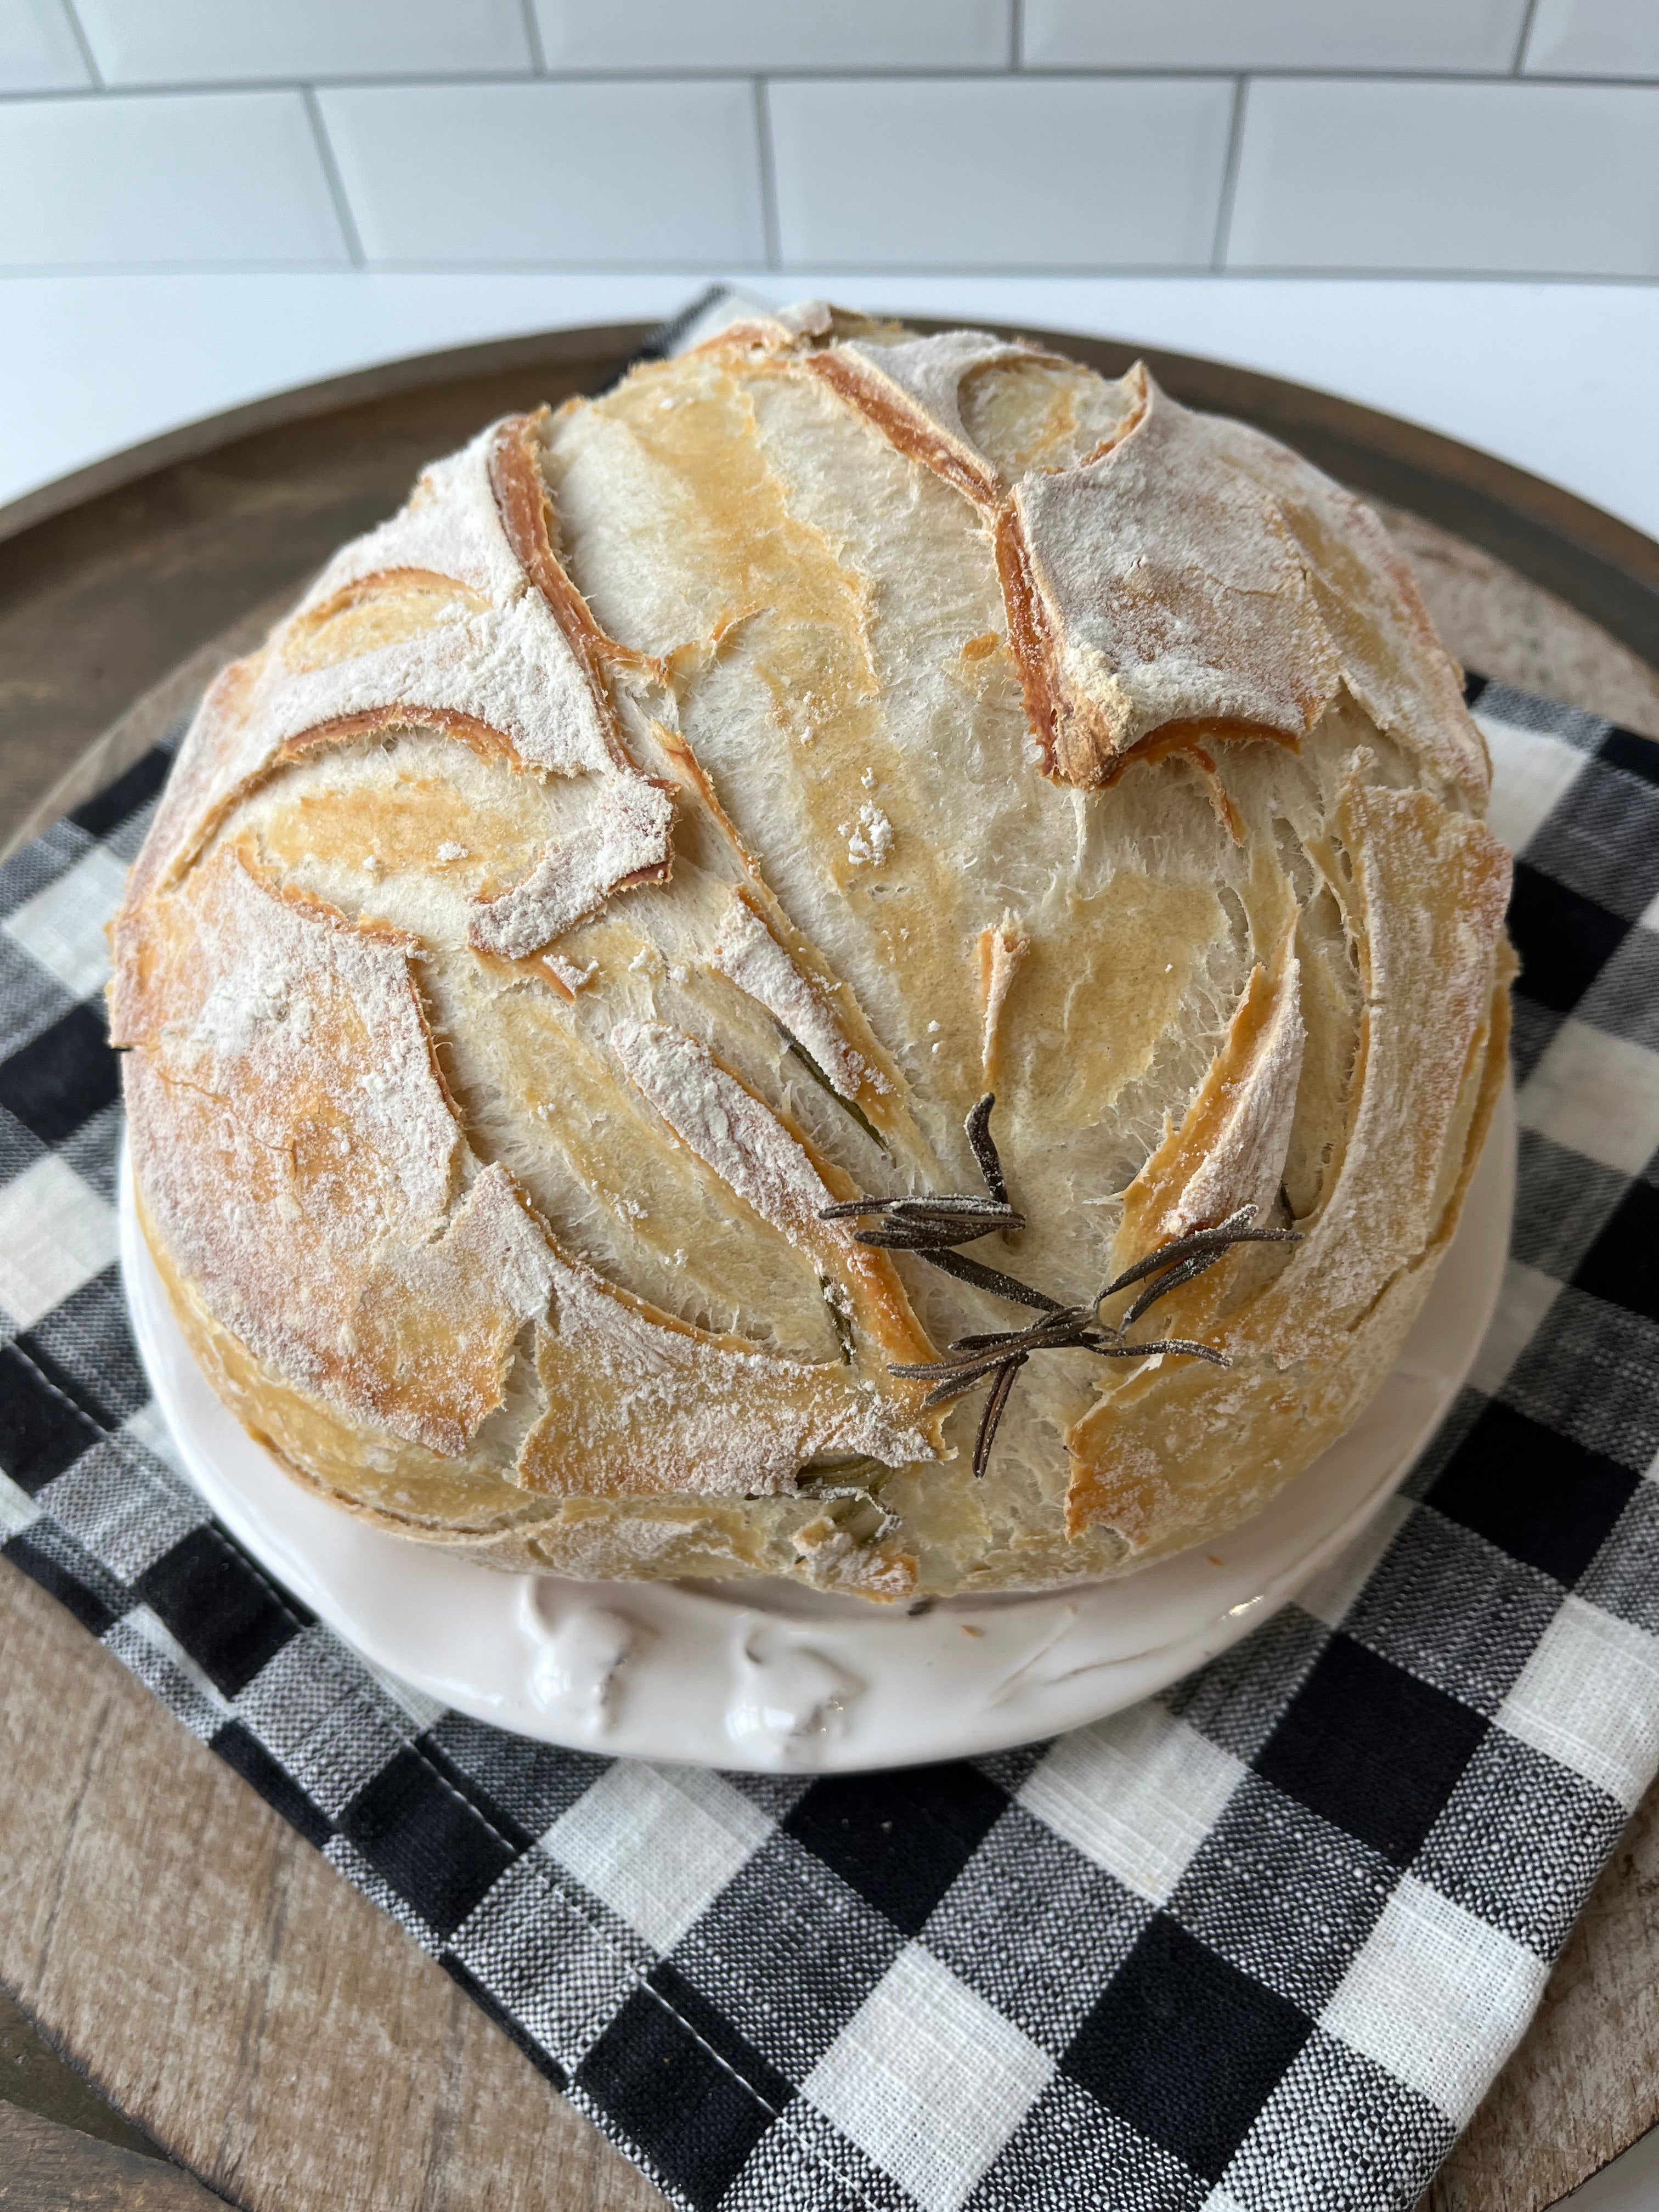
<point x="34" y="2078"/>
<point x="205" y="1969"/>
<point x="214" y="1975"/>
<point x="45" y="2168"/>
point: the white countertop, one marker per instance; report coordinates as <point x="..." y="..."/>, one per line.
<point x="1557" y="378"/>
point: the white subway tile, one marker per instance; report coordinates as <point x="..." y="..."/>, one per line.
<point x="772" y="34"/>
<point x="201" y="41"/>
<point x="1524" y="178"/>
<point x="39" y="50"/>
<point x="1033" y="172"/>
<point x="1261" y="34"/>
<point x="553" y="175"/>
<point x="1593" y="38"/>
<point x="170" y="179"/>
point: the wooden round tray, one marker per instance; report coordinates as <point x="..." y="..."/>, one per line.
<point x="174" y="1939"/>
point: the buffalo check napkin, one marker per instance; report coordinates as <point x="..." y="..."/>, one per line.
<point x="1261" y="1942"/>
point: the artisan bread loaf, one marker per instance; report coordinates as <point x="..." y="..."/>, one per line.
<point x="665" y="830"/>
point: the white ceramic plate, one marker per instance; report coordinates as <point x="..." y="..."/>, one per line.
<point x="761" y="1674"/>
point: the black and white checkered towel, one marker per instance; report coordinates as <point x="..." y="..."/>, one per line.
<point x="1260" y="1943"/>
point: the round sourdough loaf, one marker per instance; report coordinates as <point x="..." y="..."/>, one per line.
<point x="671" y="824"/>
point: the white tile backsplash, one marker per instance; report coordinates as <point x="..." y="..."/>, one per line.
<point x="39" y="50"/>
<point x="1353" y="137"/>
<point x="774" y="34"/>
<point x="552" y="175"/>
<point x="1358" y="174"/>
<point x="169" y="179"/>
<point x="1273" y="35"/>
<point x="1593" y="38"/>
<point x="1032" y="172"/>
<point x="201" y="41"/>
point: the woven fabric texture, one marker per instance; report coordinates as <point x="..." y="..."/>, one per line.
<point x="1261" y="1942"/>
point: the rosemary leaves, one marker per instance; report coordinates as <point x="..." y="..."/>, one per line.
<point x="934" y="1228"/>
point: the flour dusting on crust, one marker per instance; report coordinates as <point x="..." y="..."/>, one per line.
<point x="1172" y="592"/>
<point x="925" y="376"/>
<point x="727" y="1127"/>
<point x="1245" y="1163"/>
<point x="738" y="700"/>
<point x="747" y="954"/>
<point x="627" y="843"/>
<point x="297" y="1152"/>
<point x="1191" y="575"/>
<point x="485" y="658"/>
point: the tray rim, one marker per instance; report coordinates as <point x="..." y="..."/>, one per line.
<point x="1605" y="567"/>
<point x="1497" y="490"/>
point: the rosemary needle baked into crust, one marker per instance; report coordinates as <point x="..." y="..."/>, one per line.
<point x="627" y="868"/>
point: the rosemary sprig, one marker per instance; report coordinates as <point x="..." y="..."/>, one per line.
<point x="933" y="1228"/>
<point x="850" y="1107"/>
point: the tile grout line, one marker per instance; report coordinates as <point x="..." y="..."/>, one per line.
<point x="1016" y="35"/>
<point x="84" y="44"/>
<point x="532" y="31"/>
<point x="1520" y="44"/>
<point x="353" y="244"/>
<point x="1037" y="73"/>
<point x="1223" y="213"/>
<point x="1391" y="273"/>
<point x="771" y="229"/>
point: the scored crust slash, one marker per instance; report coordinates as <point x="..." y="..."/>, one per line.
<point x="650" y="844"/>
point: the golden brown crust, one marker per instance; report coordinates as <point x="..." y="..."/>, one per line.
<point x="1429" y="889"/>
<point x="667" y="825"/>
<point x="527" y="512"/>
<point x="408" y="1490"/>
<point x="904" y="425"/>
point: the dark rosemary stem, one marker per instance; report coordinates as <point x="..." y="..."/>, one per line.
<point x="933" y="1228"/>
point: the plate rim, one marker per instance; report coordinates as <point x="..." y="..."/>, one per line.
<point x="759" y="1640"/>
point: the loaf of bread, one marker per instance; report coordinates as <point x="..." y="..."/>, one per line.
<point x="641" y="855"/>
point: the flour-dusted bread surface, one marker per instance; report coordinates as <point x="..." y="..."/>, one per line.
<point x="668" y="827"/>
